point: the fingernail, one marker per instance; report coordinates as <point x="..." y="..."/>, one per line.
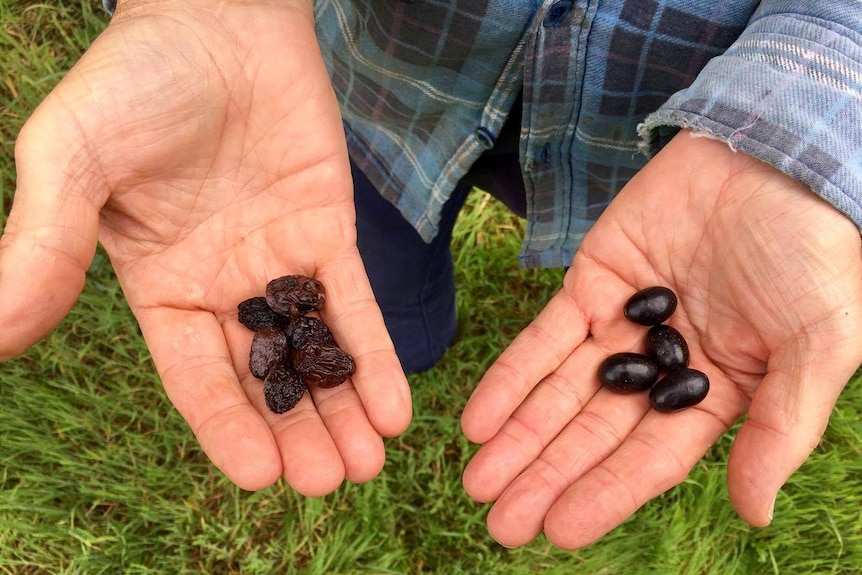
<point x="771" y="508"/>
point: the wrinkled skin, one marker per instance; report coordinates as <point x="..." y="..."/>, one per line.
<point x="769" y="279"/>
<point x="200" y="142"/>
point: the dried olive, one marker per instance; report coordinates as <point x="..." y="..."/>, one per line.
<point x="679" y="389"/>
<point x="628" y="372"/>
<point x="667" y="347"/>
<point x="291" y="350"/>
<point x="254" y="313"/>
<point x="282" y="388"/>
<point x="323" y="365"/>
<point x="295" y="295"/>
<point x="651" y="306"/>
<point x="308" y="329"/>
<point x="268" y="348"/>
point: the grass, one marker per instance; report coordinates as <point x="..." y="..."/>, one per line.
<point x="99" y="475"/>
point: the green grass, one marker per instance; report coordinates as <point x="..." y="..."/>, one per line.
<point x="99" y="475"/>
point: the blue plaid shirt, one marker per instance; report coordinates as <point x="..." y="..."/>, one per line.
<point x="425" y="86"/>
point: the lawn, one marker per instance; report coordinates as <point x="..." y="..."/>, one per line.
<point x="99" y="475"/>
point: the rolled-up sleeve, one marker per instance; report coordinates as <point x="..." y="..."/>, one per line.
<point x="788" y="92"/>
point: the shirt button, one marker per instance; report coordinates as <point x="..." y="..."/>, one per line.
<point x="557" y="12"/>
<point x="545" y="154"/>
<point x="485" y="137"/>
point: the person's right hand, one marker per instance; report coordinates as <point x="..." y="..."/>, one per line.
<point x="200" y="142"/>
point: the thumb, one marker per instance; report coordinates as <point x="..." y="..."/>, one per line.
<point x="50" y="236"/>
<point x="786" y="420"/>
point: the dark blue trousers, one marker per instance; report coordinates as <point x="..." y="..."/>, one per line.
<point x="414" y="282"/>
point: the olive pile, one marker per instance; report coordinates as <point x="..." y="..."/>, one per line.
<point x="292" y="350"/>
<point x="666" y="351"/>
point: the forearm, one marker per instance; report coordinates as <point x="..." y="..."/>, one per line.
<point x="127" y="6"/>
<point x="787" y="93"/>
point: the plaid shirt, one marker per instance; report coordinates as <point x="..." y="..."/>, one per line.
<point x="425" y="86"/>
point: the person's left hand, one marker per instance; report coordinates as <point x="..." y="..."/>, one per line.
<point x="769" y="280"/>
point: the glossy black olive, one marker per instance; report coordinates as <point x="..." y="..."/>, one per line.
<point x="628" y="372"/>
<point x="650" y="306"/>
<point x="679" y="389"/>
<point x="667" y="347"/>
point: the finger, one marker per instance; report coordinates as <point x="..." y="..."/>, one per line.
<point x="312" y="463"/>
<point x="197" y="371"/>
<point x="538" y="350"/>
<point x="518" y="515"/>
<point x="656" y="456"/>
<point x="357" y="323"/>
<point x="547" y="410"/>
<point x="786" y="419"/>
<point x="50" y="236"/>
<point x="357" y="442"/>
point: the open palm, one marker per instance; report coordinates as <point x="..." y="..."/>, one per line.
<point x="204" y="149"/>
<point x="769" y="280"/>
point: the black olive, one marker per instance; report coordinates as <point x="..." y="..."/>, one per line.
<point x="679" y="389"/>
<point x="650" y="306"/>
<point x="628" y="372"/>
<point x="667" y="347"/>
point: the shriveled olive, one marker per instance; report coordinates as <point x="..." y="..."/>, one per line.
<point x="295" y="295"/>
<point x="268" y="348"/>
<point x="290" y="349"/>
<point x="323" y="365"/>
<point x="307" y="329"/>
<point x="650" y="306"/>
<point x="282" y="388"/>
<point x="667" y="347"/>
<point x="679" y="389"/>
<point x="628" y="372"/>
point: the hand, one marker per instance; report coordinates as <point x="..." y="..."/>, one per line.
<point x="769" y="280"/>
<point x="203" y="147"/>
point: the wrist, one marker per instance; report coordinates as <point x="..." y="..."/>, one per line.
<point x="128" y="7"/>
